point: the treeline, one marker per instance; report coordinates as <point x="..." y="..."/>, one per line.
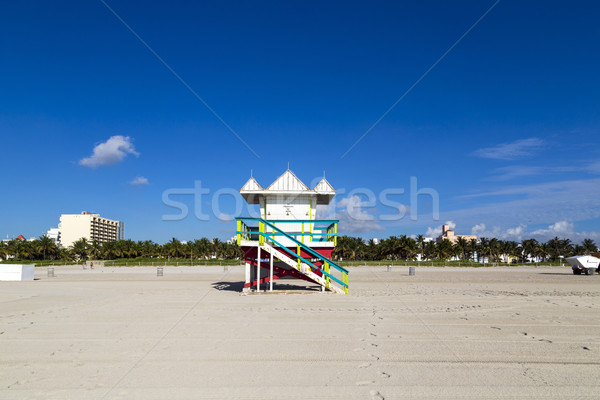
<point x="45" y="249"/>
<point x="348" y="249"/>
<point x="495" y="250"/>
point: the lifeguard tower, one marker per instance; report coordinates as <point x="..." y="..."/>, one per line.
<point x="287" y="240"/>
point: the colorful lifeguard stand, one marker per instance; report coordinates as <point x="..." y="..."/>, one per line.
<point x="287" y="240"/>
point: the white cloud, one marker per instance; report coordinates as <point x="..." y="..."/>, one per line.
<point x="511" y="151"/>
<point x="139" y="181"/>
<point x="225" y="217"/>
<point x="518" y="171"/>
<point x="352" y="213"/>
<point x="593" y="168"/>
<point x="563" y="229"/>
<point x="433" y="232"/>
<point x="516" y="233"/>
<point x="113" y="151"/>
<point x="510" y="207"/>
<point x="326" y="211"/>
<point x="478" y="229"/>
<point x="562" y="226"/>
<point x="556" y="229"/>
<point x="535" y="204"/>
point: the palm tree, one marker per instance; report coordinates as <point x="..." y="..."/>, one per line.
<point x="444" y="249"/>
<point x="388" y="247"/>
<point x="407" y="248"/>
<point x="190" y="248"/>
<point x="216" y="248"/>
<point x="27" y="249"/>
<point x="348" y="248"/>
<point x="45" y="245"/>
<point x="455" y="252"/>
<point x="514" y="249"/>
<point x="421" y="244"/>
<point x="203" y="247"/>
<point x="174" y="248"/>
<point x="558" y="248"/>
<point x="65" y="255"/>
<point x="95" y="249"/>
<point x="483" y="248"/>
<point x="13" y="248"/>
<point x="461" y="246"/>
<point x="356" y="248"/>
<point x="588" y="246"/>
<point x="508" y="249"/>
<point x="553" y="248"/>
<point x="472" y="249"/>
<point x="231" y="251"/>
<point x="128" y="248"/>
<point x="109" y="250"/>
<point x="531" y="248"/>
<point x="566" y="247"/>
<point x="372" y="250"/>
<point x="429" y="250"/>
<point x="494" y="246"/>
<point x="80" y="248"/>
<point x="146" y="248"/>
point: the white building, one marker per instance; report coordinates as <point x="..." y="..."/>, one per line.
<point x="90" y="226"/>
<point x="54" y="235"/>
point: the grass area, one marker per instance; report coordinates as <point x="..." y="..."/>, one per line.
<point x="40" y="263"/>
<point x="129" y="262"/>
<point x="441" y="264"/>
<point x="124" y="262"/>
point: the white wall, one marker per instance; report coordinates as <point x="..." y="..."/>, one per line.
<point x="74" y="227"/>
<point x="290" y="207"/>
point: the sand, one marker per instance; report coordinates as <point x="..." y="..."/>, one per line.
<point x="445" y="333"/>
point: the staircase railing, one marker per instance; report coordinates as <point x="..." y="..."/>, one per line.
<point x="331" y="232"/>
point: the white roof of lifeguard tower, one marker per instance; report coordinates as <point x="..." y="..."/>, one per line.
<point x="251" y="186"/>
<point x="287" y="184"/>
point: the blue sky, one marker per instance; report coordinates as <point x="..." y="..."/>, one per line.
<point x="504" y="128"/>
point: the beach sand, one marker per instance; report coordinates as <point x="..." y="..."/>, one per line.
<point x="445" y="333"/>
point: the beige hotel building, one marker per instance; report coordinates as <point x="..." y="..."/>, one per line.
<point x="449" y="234"/>
<point x="90" y="226"/>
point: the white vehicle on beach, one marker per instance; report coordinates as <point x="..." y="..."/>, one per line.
<point x="586" y="264"/>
